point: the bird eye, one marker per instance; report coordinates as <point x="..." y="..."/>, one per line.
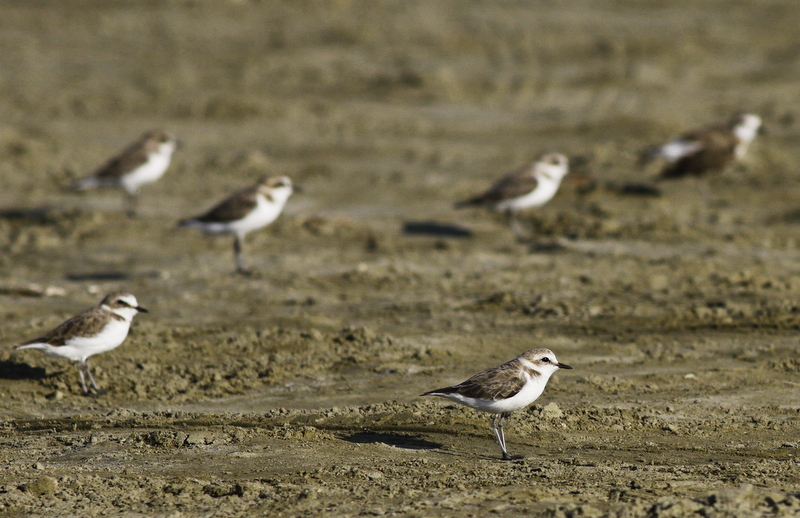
<point x="546" y="359"/>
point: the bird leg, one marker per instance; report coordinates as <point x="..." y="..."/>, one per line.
<point x="131" y="203"/>
<point x="84" y="366"/>
<point x="497" y="430"/>
<point x="516" y="227"/>
<point x="91" y="378"/>
<point x="83" y="381"/>
<point x="237" y="253"/>
<point x="500" y="438"/>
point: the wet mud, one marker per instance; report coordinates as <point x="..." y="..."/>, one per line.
<point x="293" y="392"/>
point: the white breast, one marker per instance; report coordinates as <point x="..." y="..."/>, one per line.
<point x="746" y="136"/>
<point x="80" y="348"/>
<point x="150" y="171"/>
<point x="546" y="189"/>
<point x="264" y="213"/>
<point x="529" y="393"/>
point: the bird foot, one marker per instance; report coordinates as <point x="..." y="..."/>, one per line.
<point x="506" y="456"/>
<point x="546" y="247"/>
<point x="95" y="393"/>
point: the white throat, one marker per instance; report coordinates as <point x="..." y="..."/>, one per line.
<point x="551" y="174"/>
<point x="281" y="195"/>
<point x="545" y="370"/>
<point x="126" y="313"/>
<point x="166" y="149"/>
<point x="746" y="131"/>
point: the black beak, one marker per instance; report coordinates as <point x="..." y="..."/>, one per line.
<point x="140" y="309"/>
<point x="563" y="366"/>
<point x="297" y="189"/>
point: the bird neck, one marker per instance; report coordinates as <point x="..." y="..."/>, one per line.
<point x="281" y="195"/>
<point x="552" y="173"/>
<point x="125" y="314"/>
<point x="745" y="133"/>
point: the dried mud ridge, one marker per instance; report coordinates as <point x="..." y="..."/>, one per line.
<point x="562" y="464"/>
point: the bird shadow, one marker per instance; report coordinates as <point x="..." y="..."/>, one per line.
<point x="792" y="217"/>
<point x="40" y="215"/>
<point x="634" y="189"/>
<point x="398" y="440"/>
<point x="435" y="229"/>
<point x="546" y="247"/>
<point x="11" y="370"/>
<point x="98" y="276"/>
<point x="109" y="276"/>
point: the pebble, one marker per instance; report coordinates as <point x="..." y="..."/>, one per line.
<point x="552" y="411"/>
<point x="42" y="486"/>
<point x="55" y="396"/>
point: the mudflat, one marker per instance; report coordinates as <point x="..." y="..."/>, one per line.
<point x="294" y="391"/>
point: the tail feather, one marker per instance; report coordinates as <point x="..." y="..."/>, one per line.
<point x="90" y="182"/>
<point x="672" y="151"/>
<point x="187" y="223"/>
<point x="34" y="345"/>
<point x="648" y="155"/>
<point x="440" y="392"/>
<point x="472" y="202"/>
<point x="84" y="184"/>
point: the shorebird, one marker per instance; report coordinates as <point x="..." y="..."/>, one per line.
<point x="709" y="149"/>
<point x="506" y="388"/>
<point x="242" y="212"/>
<point x="532" y="186"/>
<point x="144" y="161"/>
<point x="96" y="330"/>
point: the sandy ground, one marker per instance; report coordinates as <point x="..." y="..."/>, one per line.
<point x="294" y="392"/>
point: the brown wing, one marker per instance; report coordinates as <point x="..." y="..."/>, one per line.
<point x="232" y="208"/>
<point x="718" y="146"/>
<point x="500" y="382"/>
<point x="87" y="323"/>
<point x="513" y="185"/>
<point x="131" y="158"/>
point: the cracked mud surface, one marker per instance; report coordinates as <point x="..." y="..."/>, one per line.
<point x="294" y="392"/>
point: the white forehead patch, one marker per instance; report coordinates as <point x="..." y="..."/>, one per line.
<point x="130" y="299"/>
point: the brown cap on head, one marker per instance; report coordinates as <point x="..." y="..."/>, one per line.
<point x="543" y="356"/>
<point x="122" y="299"/>
<point x="159" y="136"/>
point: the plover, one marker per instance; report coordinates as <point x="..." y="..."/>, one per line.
<point x="142" y="162"/>
<point x="96" y="330"/>
<point x="532" y="186"/>
<point x="247" y="210"/>
<point x="503" y="389"/>
<point x="708" y="149"/>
